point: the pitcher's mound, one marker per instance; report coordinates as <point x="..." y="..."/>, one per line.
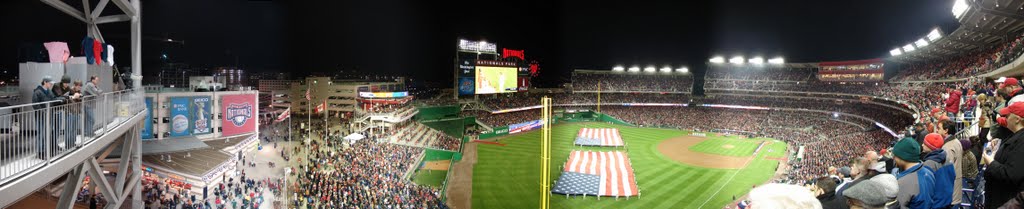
<point x="728" y="146"/>
<point x="678" y="149"/>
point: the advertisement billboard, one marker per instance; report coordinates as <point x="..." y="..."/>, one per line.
<point x="525" y="126"/>
<point x="179" y="116"/>
<point x="524" y="83"/>
<point x="201" y="115"/>
<point x="238" y="111"/>
<point x="467" y="67"/>
<point x="466" y="85"/>
<point x="147" y="128"/>
<point x="491" y="80"/>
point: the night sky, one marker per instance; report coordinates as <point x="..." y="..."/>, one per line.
<point x="418" y="38"/>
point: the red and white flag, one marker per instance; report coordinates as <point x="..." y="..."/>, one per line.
<point x="614" y="169"/>
<point x="321" y="107"/>
<point x="284" y="115"/>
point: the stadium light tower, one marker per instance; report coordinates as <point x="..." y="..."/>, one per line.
<point x="717" y="60"/>
<point x="895" y="52"/>
<point x="618" y="69"/>
<point x="756" y="60"/>
<point x="934" y="35"/>
<point x="683" y="70"/>
<point x="634" y="69"/>
<point x="736" y="60"/>
<point x="908" y="48"/>
<point x="649" y="69"/>
<point x="666" y="69"/>
<point x="777" y="61"/>
<point x="921" y="43"/>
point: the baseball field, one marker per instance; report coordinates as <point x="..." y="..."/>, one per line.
<point x="673" y="169"/>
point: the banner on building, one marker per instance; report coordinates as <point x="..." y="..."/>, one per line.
<point x="238" y="113"/>
<point x="201" y="115"/>
<point x="466" y="86"/>
<point x="524" y="83"/>
<point x="180" y="116"/>
<point x="147" y="129"/>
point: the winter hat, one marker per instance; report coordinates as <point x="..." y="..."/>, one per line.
<point x="869" y="192"/>
<point x="907" y="149"/>
<point x="965" y="144"/>
<point x="888" y="181"/>
<point x="934" y="141"/>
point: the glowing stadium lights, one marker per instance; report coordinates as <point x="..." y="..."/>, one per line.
<point x="895" y="52"/>
<point x="634" y="69"/>
<point x="960" y="7"/>
<point x="649" y="69"/>
<point x="908" y="48"/>
<point x="934" y="35"/>
<point x="756" y="60"/>
<point x="666" y="69"/>
<point x="921" y="43"/>
<point x="736" y="60"/>
<point x="683" y="70"/>
<point x="777" y="61"/>
<point x="717" y="60"/>
<point x="618" y="69"/>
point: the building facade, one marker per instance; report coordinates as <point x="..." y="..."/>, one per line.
<point x="340" y="95"/>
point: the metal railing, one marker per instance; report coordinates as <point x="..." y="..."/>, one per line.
<point x="35" y="135"/>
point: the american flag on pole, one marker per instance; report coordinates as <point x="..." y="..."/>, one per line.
<point x="597" y="174"/>
<point x="284" y="115"/>
<point x="308" y="96"/>
<point x="599" y="137"/>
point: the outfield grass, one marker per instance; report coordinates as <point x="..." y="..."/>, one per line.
<point x="507" y="176"/>
<point x="433" y="178"/>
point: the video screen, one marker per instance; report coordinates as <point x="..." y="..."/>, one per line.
<point x="494" y="80"/>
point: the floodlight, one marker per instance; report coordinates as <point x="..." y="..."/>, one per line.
<point x="934" y="35"/>
<point x="717" y="59"/>
<point x="618" y="69"/>
<point x="777" y="60"/>
<point x="634" y="69"/>
<point x="921" y="43"/>
<point x="908" y="48"/>
<point x="756" y="60"/>
<point x="960" y="7"/>
<point x="736" y="60"/>
<point x="895" y="52"/>
<point x="666" y="69"/>
<point x="649" y="69"/>
<point x="683" y="70"/>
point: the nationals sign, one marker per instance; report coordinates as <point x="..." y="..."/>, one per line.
<point x="506" y="53"/>
<point x="238" y="111"/>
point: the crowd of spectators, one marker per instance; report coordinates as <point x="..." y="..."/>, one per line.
<point x="367" y="174"/>
<point x="644" y="82"/>
<point x="761" y="74"/>
<point x="970" y="65"/>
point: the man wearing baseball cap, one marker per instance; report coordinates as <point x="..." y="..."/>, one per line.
<point x="1005" y="174"/>
<point x="916" y="181"/>
<point x="40" y="96"/>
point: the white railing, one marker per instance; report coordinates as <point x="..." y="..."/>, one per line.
<point x="34" y="135"/>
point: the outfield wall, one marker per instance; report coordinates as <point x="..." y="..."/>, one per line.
<point x="559" y="118"/>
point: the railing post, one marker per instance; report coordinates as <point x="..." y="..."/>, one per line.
<point x="47" y="132"/>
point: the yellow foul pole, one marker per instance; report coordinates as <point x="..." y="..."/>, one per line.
<point x="598" y="96"/>
<point x="545" y="153"/>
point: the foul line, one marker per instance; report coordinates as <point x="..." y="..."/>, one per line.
<point x="727" y="181"/>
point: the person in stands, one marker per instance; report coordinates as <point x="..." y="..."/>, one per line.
<point x="1004" y="176"/>
<point x="916" y="182"/>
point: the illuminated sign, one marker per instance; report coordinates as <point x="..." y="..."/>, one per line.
<point x="383" y="94"/>
<point x="495" y="63"/>
<point x="505" y="53"/>
<point x="478" y="46"/>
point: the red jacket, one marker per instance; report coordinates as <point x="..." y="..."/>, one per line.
<point x="953" y="102"/>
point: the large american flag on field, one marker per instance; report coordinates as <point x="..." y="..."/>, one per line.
<point x="597" y="174"/>
<point x="599" y="137"/>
